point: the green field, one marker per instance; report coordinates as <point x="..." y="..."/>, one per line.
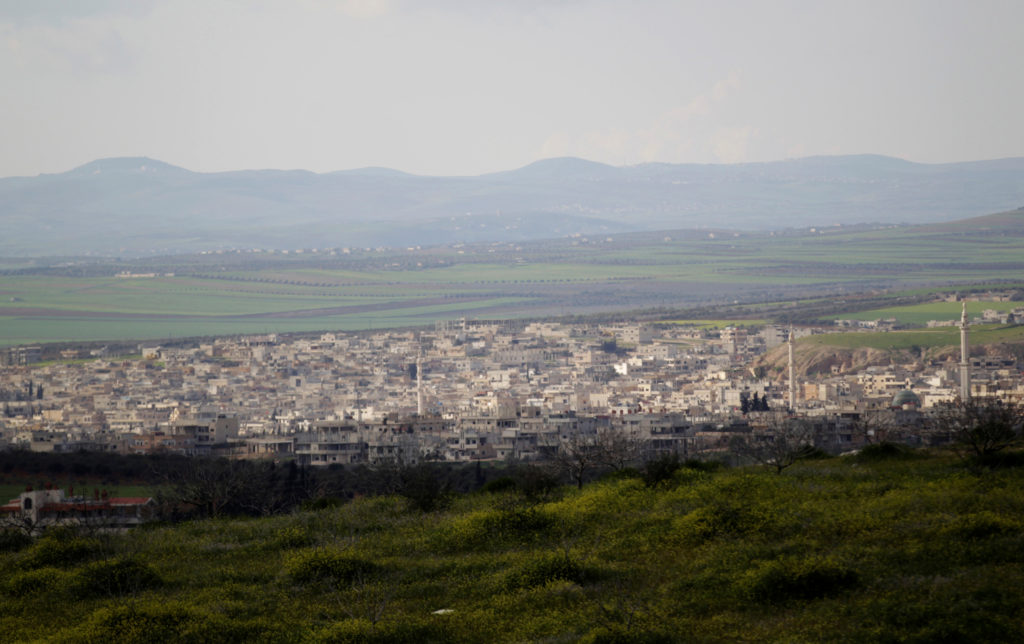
<point x="717" y="324"/>
<point x="920" y="338"/>
<point x="231" y="294"/>
<point x="922" y="313"/>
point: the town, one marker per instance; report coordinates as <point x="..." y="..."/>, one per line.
<point x="474" y="390"/>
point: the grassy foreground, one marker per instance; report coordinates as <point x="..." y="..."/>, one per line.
<point x="857" y="549"/>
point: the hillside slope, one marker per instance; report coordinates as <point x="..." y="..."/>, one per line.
<point x="139" y="206"/>
<point x="888" y="547"/>
<point x="849" y="353"/>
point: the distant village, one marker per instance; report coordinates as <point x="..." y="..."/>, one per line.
<point x="469" y="390"/>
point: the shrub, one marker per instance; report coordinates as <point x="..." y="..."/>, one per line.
<point x="702" y="466"/>
<point x="496" y="527"/>
<point x="811" y="453"/>
<point x="157" y="622"/>
<point x="37" y="582"/>
<point x="322" y="503"/>
<point x="543" y="570"/>
<point x="535" y="482"/>
<point x="607" y="636"/>
<point x="502" y="484"/>
<point x="292" y="537"/>
<point x="782" y="581"/>
<point x="362" y="631"/>
<point x="324" y="565"/>
<point x="622" y="474"/>
<point x="115" y="577"/>
<point x="885" y="451"/>
<point x="725" y="517"/>
<point x="14" y="540"/>
<point x="660" y="471"/>
<point x="1001" y="459"/>
<point x="424" y="487"/>
<point x="62" y="549"/>
<point x="982" y="525"/>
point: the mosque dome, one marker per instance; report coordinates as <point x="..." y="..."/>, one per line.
<point x="904" y="398"/>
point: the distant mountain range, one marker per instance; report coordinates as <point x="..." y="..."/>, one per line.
<point x="140" y="206"/>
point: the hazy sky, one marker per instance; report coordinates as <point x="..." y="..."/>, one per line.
<point x="474" y="86"/>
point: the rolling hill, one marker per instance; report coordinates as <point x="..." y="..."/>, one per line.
<point x="140" y="207"/>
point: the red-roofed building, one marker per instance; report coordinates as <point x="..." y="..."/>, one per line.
<point x="36" y="510"/>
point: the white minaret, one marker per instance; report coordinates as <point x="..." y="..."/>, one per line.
<point x="792" y="372"/>
<point x="965" y="357"/>
<point x="419" y="382"/>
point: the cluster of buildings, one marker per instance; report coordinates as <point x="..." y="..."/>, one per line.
<point x="466" y="390"/>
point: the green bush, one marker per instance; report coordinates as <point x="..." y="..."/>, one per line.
<point x="159" y="622"/>
<point x="325" y="565"/>
<point x="361" y="631"/>
<point x="929" y="610"/>
<point x="982" y="525"/>
<point x="424" y="487"/>
<point x="115" y="577"/>
<point x="661" y="470"/>
<point x="148" y="623"/>
<point x="702" y="466"/>
<point x="999" y="460"/>
<point x="535" y="482"/>
<point x="293" y="536"/>
<point x="725" y="518"/>
<point x="492" y="528"/>
<point x="515" y="523"/>
<point x="885" y="452"/>
<point x="545" y="569"/>
<point x="14" y="540"/>
<point x="608" y="636"/>
<point x="811" y="453"/>
<point x="37" y="582"/>
<point x="60" y="548"/>
<point x="783" y="581"/>
<point x="621" y="474"/>
<point x="322" y="503"/>
<point x="498" y="485"/>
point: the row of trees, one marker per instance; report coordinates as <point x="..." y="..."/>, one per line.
<point x="979" y="428"/>
<point x="31" y="391"/>
<point x="755" y="403"/>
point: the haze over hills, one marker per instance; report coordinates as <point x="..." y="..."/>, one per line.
<point x="140" y="206"/>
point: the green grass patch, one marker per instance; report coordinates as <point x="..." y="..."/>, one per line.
<point x="919" y="338"/>
<point x="922" y="313"/>
<point x="717" y="324"/>
<point x="882" y="548"/>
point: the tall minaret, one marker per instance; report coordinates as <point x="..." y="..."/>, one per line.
<point x="792" y="372"/>
<point x="419" y="382"/>
<point x="965" y="357"/>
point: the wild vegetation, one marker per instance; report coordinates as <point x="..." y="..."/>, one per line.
<point x="890" y="545"/>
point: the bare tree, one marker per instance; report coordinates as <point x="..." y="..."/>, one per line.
<point x="879" y="425"/>
<point x="580" y="455"/>
<point x="20" y="522"/>
<point x="210" y="486"/>
<point x="776" y="444"/>
<point x="577" y="456"/>
<point x="618" y="449"/>
<point x="983" y="426"/>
